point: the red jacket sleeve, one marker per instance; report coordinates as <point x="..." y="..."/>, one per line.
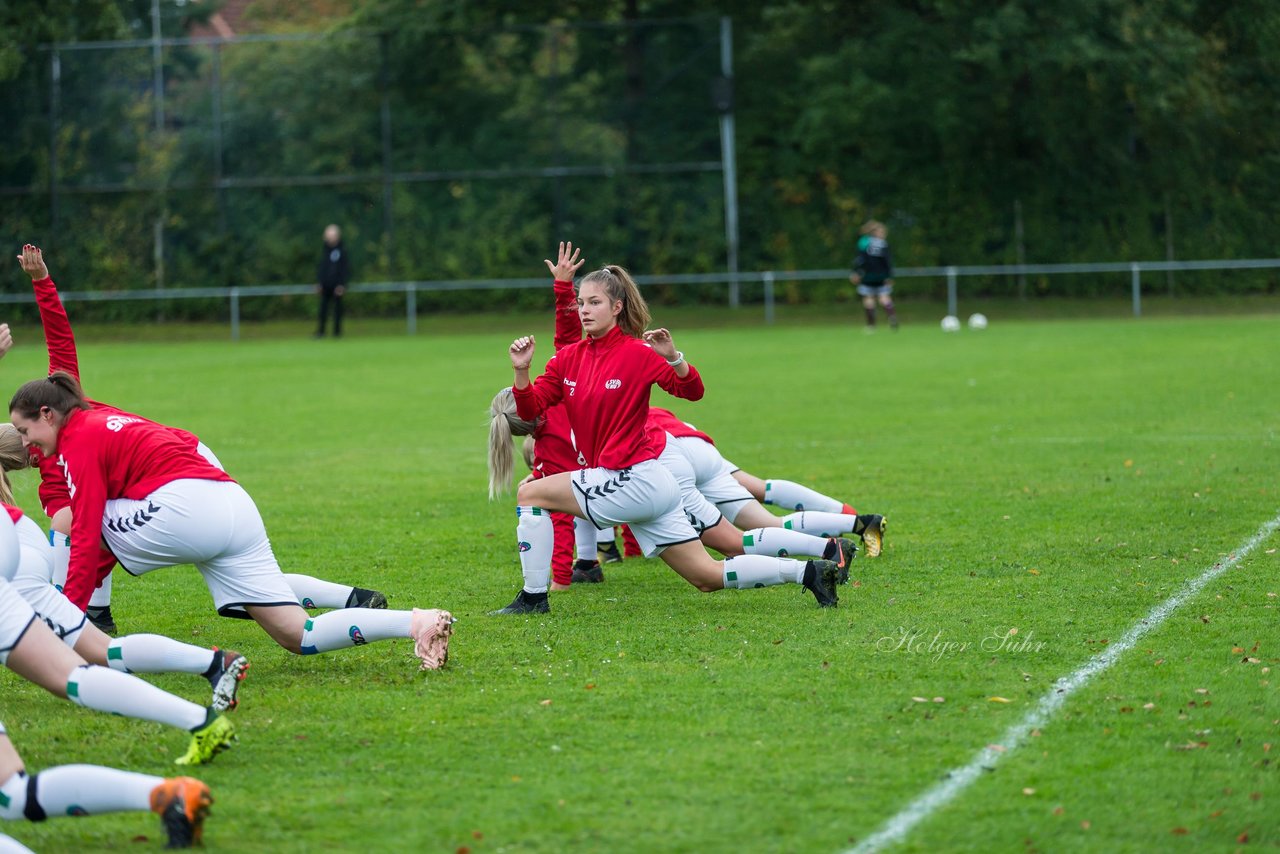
<point x="59" y="340"/>
<point x="543" y="392"/>
<point x="88" y="503"/>
<point x="688" y="387"/>
<point x="568" y="324"/>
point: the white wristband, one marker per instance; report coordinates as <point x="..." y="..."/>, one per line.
<point x="677" y="360"/>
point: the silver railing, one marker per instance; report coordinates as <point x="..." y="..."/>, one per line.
<point x="766" y="278"/>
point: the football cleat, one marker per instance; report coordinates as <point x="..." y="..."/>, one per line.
<point x="526" y="603"/>
<point x="841" y="552"/>
<point x="101" y="617"/>
<point x="820" y="579"/>
<point x="607" y="552"/>
<point x="182" y="804"/>
<point x="208" y="741"/>
<point x="431" y="629"/>
<point x="587" y="572"/>
<point x="871" y="529"/>
<point x="225" y="676"/>
<point x="363" y="598"/>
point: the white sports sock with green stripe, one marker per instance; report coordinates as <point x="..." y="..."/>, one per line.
<point x="106" y="690"/>
<point x="793" y="496"/>
<point x="780" y="542"/>
<point x="157" y="654"/>
<point x="350" y="627"/>
<point x="317" y="593"/>
<point x="820" y="523"/>
<point x="747" y="571"/>
<point x="536" y="537"/>
<point x="77" y="790"/>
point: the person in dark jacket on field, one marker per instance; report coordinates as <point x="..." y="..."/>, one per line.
<point x="332" y="275"/>
<point x="873" y="273"/>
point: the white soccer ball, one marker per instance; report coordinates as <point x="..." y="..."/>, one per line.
<point x="950" y="323"/>
<point x="977" y="321"/>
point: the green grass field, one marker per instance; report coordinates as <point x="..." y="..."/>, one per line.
<point x="1060" y="479"/>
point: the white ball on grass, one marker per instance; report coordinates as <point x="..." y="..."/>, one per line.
<point x="950" y="323"/>
<point x="977" y="321"/>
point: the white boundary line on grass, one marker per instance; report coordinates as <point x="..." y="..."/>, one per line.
<point x="895" y="829"/>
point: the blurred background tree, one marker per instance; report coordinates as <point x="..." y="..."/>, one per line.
<point x="462" y="139"/>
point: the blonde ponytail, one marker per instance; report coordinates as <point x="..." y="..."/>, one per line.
<point x="504" y="425"/>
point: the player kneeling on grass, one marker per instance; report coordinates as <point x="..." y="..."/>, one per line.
<point x="55" y="497"/>
<point x="30" y="649"/>
<point x="84" y="790"/>
<point x="608" y="376"/>
<point x="157" y="503"/>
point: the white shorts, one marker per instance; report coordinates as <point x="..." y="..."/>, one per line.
<point x="16" y="616"/>
<point x="34" y="582"/>
<point x="700" y="512"/>
<point x="645" y="496"/>
<point x="714" y="475"/>
<point x="210" y="523"/>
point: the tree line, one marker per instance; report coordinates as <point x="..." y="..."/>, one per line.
<point x="459" y="140"/>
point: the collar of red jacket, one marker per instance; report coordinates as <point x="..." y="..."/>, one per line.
<point x="609" y="339"/>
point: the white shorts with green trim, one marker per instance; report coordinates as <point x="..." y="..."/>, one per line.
<point x="645" y="496"/>
<point x="213" y="524"/>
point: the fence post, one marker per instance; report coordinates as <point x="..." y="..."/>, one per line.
<point x="728" y="156"/>
<point x="951" y="291"/>
<point x="410" y="308"/>
<point x="235" y="313"/>
<point x="768" y="297"/>
<point x="1136" y="276"/>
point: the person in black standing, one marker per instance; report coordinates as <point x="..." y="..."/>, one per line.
<point x="332" y="276"/>
<point x="873" y="273"/>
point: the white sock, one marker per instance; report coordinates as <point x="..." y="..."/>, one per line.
<point x="75" y="790"/>
<point x="61" y="545"/>
<point x="793" y="496"/>
<point x="157" y="654"/>
<point x="746" y="571"/>
<point x="350" y="627"/>
<point x="106" y="690"/>
<point x="537" y="537"/>
<point x="587" y="537"/>
<point x="317" y="593"/>
<point x="101" y="597"/>
<point x="9" y="845"/>
<point x="780" y="542"/>
<point x="820" y="523"/>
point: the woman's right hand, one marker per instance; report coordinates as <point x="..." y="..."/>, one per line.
<point x="521" y="352"/>
<point x="567" y="264"/>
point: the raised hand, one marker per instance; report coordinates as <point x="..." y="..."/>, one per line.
<point x="6" y="339"/>
<point x="661" y="342"/>
<point x="567" y="264"/>
<point x="32" y="261"/>
<point x="521" y="352"/>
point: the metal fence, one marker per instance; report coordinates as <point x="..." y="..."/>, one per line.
<point x="768" y="279"/>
